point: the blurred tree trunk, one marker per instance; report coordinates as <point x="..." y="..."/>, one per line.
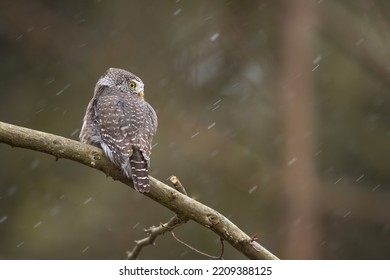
<point x="299" y="180"/>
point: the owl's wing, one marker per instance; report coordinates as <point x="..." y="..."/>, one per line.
<point x="147" y="130"/>
<point x="116" y="123"/>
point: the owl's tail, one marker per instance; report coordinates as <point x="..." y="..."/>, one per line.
<point x="139" y="171"/>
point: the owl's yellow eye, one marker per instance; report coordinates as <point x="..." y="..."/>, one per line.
<point x="132" y="85"/>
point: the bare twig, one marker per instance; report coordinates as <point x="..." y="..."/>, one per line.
<point x="181" y="204"/>
<point x="177" y="184"/>
<point x="153" y="232"/>
<point x="200" y="252"/>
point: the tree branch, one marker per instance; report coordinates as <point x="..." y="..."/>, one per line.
<point x="153" y="232"/>
<point x="184" y="206"/>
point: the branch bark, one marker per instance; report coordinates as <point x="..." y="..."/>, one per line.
<point x="184" y="206"/>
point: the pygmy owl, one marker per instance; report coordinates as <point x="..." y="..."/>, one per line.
<point x="122" y="123"/>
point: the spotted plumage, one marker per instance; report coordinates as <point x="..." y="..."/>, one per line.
<point x="122" y="123"/>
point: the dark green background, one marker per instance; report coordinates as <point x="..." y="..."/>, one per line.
<point x="212" y="70"/>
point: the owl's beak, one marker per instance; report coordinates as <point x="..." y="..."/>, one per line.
<point x="141" y="94"/>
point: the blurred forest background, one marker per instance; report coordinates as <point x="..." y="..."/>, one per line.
<point x="275" y="113"/>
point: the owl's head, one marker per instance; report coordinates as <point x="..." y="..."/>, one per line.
<point x="122" y="79"/>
